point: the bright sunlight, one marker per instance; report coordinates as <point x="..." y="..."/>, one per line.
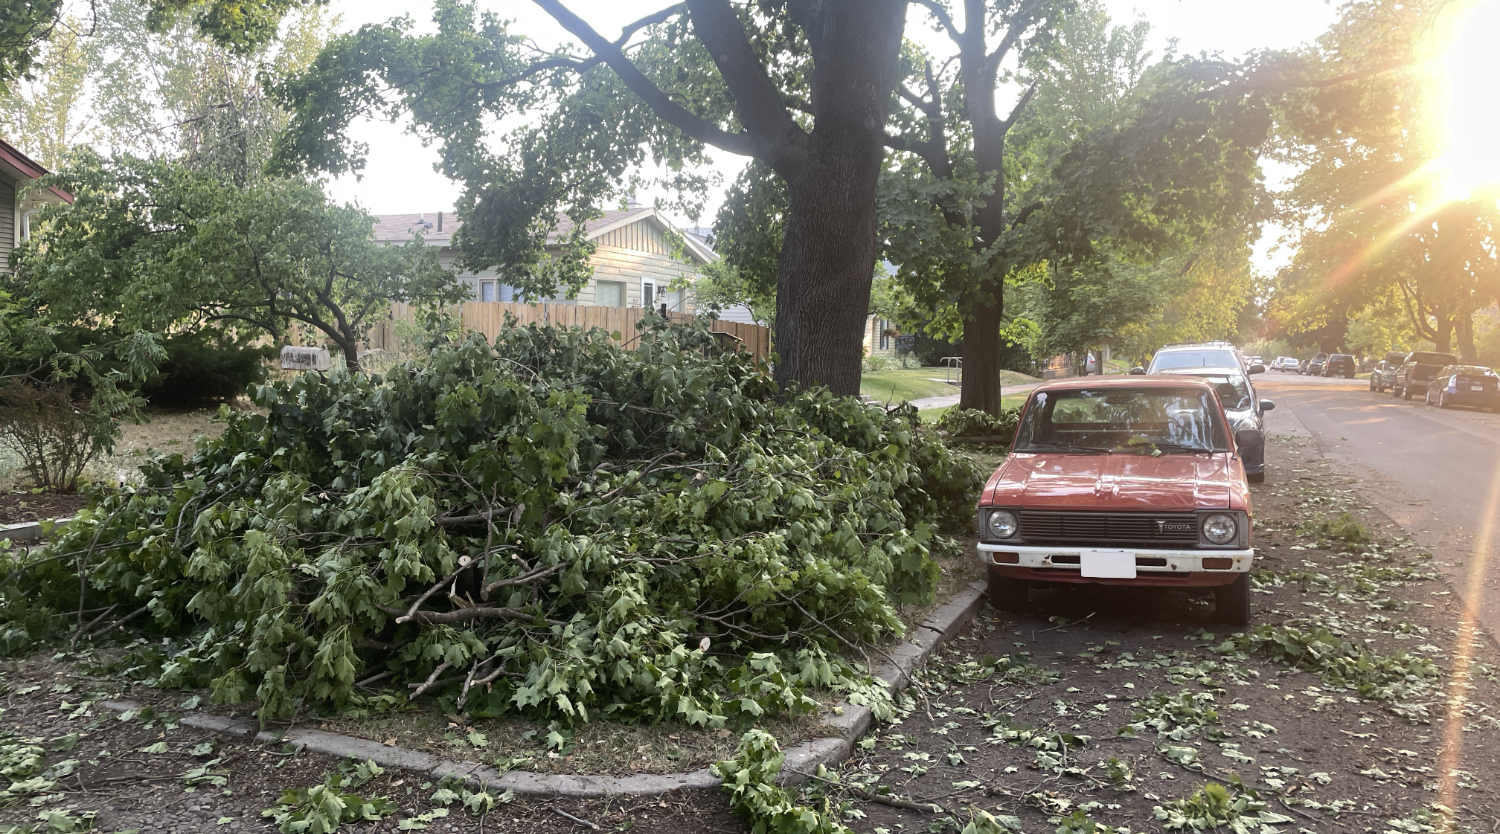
<point x="1470" y="160"/>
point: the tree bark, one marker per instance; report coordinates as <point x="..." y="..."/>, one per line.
<point x="1443" y="340"/>
<point x="1463" y="331"/>
<point x="828" y="257"/>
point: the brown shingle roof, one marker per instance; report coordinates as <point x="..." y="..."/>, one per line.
<point x="399" y="228"/>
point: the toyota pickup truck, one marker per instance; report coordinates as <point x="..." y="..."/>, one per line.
<point x="1132" y="481"/>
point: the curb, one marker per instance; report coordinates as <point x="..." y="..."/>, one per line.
<point x="29" y="531"/>
<point x="851" y="724"/>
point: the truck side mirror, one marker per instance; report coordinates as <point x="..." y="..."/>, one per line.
<point x="1137" y="370"/>
<point x="1257" y="369"/>
<point x="1267" y="405"/>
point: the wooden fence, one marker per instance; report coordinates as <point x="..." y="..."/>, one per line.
<point x="487" y="317"/>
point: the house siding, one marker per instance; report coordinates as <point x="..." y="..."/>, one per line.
<point x="7" y="223"/>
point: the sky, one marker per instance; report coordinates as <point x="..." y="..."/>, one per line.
<point x="398" y="177"/>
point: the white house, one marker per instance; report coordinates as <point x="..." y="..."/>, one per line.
<point x="633" y="261"/>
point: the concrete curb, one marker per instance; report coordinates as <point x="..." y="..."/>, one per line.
<point x="851" y="724"/>
<point x="29" y="531"/>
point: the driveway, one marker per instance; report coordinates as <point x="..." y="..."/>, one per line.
<point x="1434" y="472"/>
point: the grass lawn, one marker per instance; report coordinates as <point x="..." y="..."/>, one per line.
<point x="1012" y="401"/>
<point x="905" y="384"/>
<point x="898" y="386"/>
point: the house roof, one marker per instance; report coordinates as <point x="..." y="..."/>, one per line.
<point x="17" y="166"/>
<point x="399" y="228"/>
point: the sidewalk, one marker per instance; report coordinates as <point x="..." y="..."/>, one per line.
<point x="952" y="399"/>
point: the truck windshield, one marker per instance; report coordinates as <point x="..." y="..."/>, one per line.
<point x="1425" y="358"/>
<point x="1148" y="421"/>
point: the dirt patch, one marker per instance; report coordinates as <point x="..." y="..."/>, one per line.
<point x="78" y="761"/>
<point x="16" y="507"/>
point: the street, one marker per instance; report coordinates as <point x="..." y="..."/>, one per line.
<point x="1434" y="472"/>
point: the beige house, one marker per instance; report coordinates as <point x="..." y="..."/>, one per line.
<point x="633" y="261"/>
<point x="880" y="337"/>
<point x="17" y="213"/>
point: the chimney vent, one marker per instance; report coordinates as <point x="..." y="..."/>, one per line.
<point x="440" y="221"/>
<point x="632" y="202"/>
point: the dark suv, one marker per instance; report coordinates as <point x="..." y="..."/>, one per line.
<point x="1418" y="370"/>
<point x="1314" y="366"/>
<point x="1339" y="364"/>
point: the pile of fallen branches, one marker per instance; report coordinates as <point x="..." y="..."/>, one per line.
<point x="552" y="526"/>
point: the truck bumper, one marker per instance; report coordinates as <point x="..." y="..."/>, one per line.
<point x="1164" y="568"/>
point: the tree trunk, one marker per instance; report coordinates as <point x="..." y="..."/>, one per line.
<point x="1444" y="338"/>
<point x="828" y="257"/>
<point x="827" y="263"/>
<point x="981" y="385"/>
<point x="1463" y="331"/>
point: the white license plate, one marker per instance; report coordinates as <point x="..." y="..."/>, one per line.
<point x="1107" y="564"/>
<point x="1478" y="387"/>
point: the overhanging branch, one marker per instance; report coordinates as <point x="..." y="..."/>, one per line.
<point x="669" y="111"/>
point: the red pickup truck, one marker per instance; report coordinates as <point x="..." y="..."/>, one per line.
<point x="1126" y="481"/>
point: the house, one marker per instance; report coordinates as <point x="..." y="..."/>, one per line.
<point x="880" y="337"/>
<point x="633" y="261"/>
<point x="18" y="212"/>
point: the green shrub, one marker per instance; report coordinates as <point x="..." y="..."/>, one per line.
<point x="960" y="423"/>
<point x="876" y="364"/>
<point x="201" y="368"/>
<point x="554" y="527"/>
<point x="54" y="433"/>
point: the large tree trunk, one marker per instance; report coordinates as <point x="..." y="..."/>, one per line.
<point x="1444" y="338"/>
<point x="1463" y="331"/>
<point x="828" y="257"/>
<point x="823" y="288"/>
<point x="981" y="385"/>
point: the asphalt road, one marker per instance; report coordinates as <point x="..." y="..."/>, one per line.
<point x="1435" y="472"/>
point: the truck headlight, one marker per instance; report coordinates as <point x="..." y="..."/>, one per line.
<point x="1220" y="528"/>
<point x="1002" y="524"/>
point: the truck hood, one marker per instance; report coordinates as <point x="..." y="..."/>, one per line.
<point x="1114" y="482"/>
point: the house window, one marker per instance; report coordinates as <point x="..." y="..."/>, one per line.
<point x="675" y="300"/>
<point x="885" y="339"/>
<point x="610" y="294"/>
<point x="648" y="293"/>
<point x="487" y="291"/>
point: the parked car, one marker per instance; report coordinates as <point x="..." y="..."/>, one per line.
<point x="1127" y="481"/>
<point x="1473" y="386"/>
<point x="1255" y="360"/>
<point x="1417" y="370"/>
<point x="1285" y="364"/>
<point x="1383" y="375"/>
<point x="1339" y="364"/>
<point x="1200" y="355"/>
<point x="1245" y="410"/>
<point x="1314" y="366"/>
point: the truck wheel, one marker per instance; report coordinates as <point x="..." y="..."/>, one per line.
<point x="1405" y="393"/>
<point x="1232" y="602"/>
<point x="1007" y="594"/>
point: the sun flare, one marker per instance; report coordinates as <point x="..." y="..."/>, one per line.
<point x="1470" y="131"/>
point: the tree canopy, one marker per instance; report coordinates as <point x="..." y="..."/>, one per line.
<point x="1376" y="233"/>
<point x="154" y="246"/>
<point x="801" y="88"/>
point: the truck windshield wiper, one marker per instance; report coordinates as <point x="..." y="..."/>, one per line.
<point x="1058" y="447"/>
<point x="1180" y="447"/>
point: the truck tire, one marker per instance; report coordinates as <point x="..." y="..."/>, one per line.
<point x="1405" y="393"/>
<point x="1232" y="602"/>
<point x="1007" y="594"/>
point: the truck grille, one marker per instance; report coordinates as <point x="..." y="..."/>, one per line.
<point x="1069" y="527"/>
